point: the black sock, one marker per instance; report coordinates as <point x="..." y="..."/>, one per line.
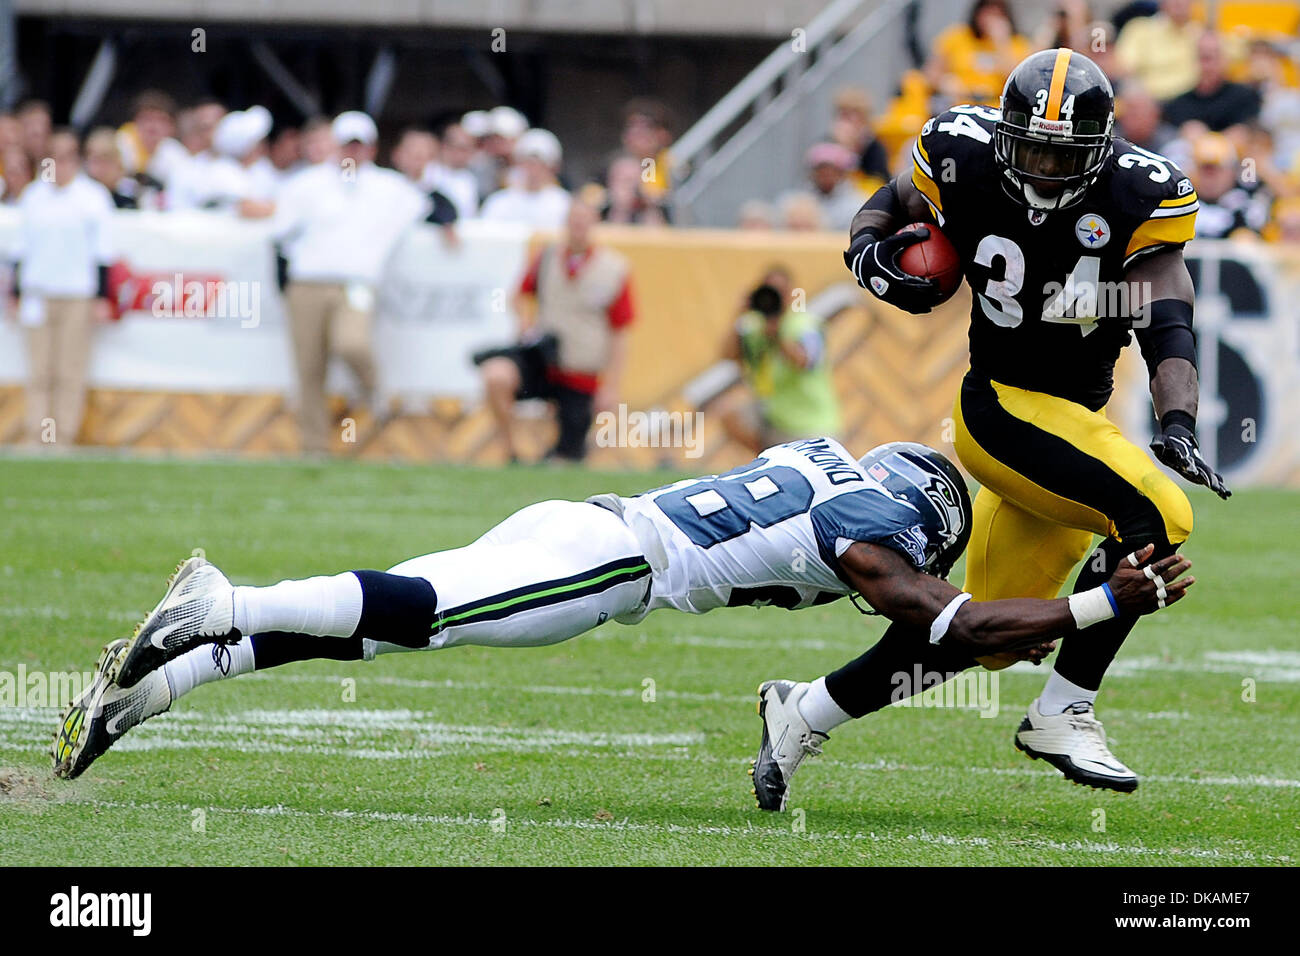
<point x="396" y="608"/>
<point x="1084" y="662"/>
<point x="872" y="681"/>
<point x="273" y="648"/>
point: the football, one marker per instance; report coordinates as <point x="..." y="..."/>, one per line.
<point x="932" y="258"/>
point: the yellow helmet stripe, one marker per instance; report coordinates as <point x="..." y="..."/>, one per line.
<point x="1058" y="83"/>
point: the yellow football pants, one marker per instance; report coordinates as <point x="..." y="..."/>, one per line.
<point x="1052" y="474"/>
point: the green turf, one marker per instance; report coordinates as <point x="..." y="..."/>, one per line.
<point x="552" y="755"/>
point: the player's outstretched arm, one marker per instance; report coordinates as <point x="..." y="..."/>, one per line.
<point x="901" y="593"/>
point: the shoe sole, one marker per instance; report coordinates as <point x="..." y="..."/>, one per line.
<point x="73" y="722"/>
<point x="137" y="653"/>
<point x="1073" y="773"/>
<point x="761" y="709"/>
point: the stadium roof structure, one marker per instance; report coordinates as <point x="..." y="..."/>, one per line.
<point x="720" y="17"/>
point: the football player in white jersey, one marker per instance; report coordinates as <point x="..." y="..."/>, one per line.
<point x="803" y="524"/>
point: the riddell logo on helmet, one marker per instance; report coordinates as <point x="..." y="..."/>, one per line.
<point x="1059" y="127"/>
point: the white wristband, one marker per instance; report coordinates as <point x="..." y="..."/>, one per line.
<point x="1092" y="607"/>
<point x="940" y="626"/>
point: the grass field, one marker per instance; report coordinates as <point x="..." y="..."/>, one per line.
<point x="553" y="755"/>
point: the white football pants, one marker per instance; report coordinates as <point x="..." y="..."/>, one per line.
<point x="547" y="573"/>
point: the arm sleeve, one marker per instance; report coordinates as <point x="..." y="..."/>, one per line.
<point x="103" y="225"/>
<point x="528" y="284"/>
<point x="923" y="175"/>
<point x="1171" y="221"/>
<point x="621" y="311"/>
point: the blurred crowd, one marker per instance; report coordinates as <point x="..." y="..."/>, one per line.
<point x="1221" y="99"/>
<point x="487" y="164"/>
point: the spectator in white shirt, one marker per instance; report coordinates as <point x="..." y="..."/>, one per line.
<point x="34" y="130"/>
<point x="415" y="150"/>
<point x="284" y="151"/>
<point x="414" y="155"/>
<point x="63" y="252"/>
<point x="241" y="178"/>
<point x="197" y="125"/>
<point x="146" y="140"/>
<point x="318" y="145"/>
<point x="190" y="183"/>
<point x="497" y="131"/>
<point x="103" y="164"/>
<point x="536" y="199"/>
<point x="338" y="224"/>
<point x="450" y="173"/>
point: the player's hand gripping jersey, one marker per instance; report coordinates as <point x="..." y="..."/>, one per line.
<point x="772" y="531"/>
<point x="1048" y="311"/>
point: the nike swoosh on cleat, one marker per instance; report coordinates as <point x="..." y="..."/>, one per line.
<point x="111" y="726"/>
<point x="159" y="637"/>
<point x="776" y="747"/>
<point x="1111" y="767"/>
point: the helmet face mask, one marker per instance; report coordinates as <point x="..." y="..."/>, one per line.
<point x="1048" y="162"/>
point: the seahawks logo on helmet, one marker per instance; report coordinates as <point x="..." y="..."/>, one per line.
<point x="933" y="486"/>
<point x="947" y="504"/>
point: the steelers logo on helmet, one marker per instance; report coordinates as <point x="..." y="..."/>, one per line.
<point x="1054" y="135"/>
<point x="927" y="481"/>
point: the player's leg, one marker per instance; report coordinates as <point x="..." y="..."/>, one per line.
<point x="807" y="712"/>
<point x="308" y="304"/>
<point x="799" y="716"/>
<point x="351" y="338"/>
<point x="1059" y="461"/>
<point x="502" y="382"/>
<point x="1015" y="553"/>
<point x="574" y="412"/>
<point x="548" y="573"/>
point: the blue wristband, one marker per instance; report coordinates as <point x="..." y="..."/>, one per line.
<point x="1105" y="588"/>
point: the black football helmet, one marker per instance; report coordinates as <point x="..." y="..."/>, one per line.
<point x="932" y="485"/>
<point x="1054" y="137"/>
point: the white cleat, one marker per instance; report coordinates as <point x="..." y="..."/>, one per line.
<point x="104" y="711"/>
<point x="787" y="740"/>
<point x="197" y="609"/>
<point x="1075" y="744"/>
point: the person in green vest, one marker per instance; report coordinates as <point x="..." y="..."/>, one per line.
<point x="782" y="358"/>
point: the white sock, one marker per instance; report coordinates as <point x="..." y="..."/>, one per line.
<point x="322" y="606"/>
<point x="820" y="710"/>
<point x="208" y="663"/>
<point x="1059" y="694"/>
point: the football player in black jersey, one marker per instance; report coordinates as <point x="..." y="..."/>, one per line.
<point x="1069" y="238"/>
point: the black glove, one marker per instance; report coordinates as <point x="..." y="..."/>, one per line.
<point x="874" y="263"/>
<point x="1176" y="447"/>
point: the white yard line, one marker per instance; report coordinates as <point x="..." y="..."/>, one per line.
<point x="460" y="685"/>
<point x="812" y="834"/>
<point x="367" y="734"/>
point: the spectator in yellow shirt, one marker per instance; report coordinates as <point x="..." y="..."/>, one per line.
<point x="1160" y="51"/>
<point x="970" y="61"/>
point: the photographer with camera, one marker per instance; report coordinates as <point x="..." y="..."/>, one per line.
<point x="787" y="391"/>
<point x="572" y="347"/>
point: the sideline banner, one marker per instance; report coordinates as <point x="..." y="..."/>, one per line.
<point x="201" y="311"/>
